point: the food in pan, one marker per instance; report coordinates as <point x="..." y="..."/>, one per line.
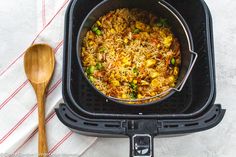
<point x="131" y="54"/>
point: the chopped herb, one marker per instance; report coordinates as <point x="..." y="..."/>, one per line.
<point x="133" y="95"/>
<point x="134" y="86"/>
<point x="102" y="49"/>
<point x="162" y="22"/>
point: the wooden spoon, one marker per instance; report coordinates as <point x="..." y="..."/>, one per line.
<point x="39" y="62"/>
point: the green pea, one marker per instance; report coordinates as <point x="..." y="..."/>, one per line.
<point x="162" y="22"/>
<point x="90" y="70"/>
<point x="94" y="29"/>
<point x="172" y="61"/>
<point x="99" y="66"/>
<point x="98" y="32"/>
<point x="136" y="31"/>
<point x="91" y="78"/>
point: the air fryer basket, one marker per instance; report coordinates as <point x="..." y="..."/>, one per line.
<point x="189" y="111"/>
<point x="199" y="90"/>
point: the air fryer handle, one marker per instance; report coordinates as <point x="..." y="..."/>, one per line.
<point x="141" y="133"/>
<point x="141" y="145"/>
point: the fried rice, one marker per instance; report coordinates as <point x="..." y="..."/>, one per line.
<point x="131" y="54"/>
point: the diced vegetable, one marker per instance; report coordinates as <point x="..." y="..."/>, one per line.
<point x="126" y="40"/>
<point x="99" y="66"/>
<point x="162" y="22"/>
<point x="172" y="79"/>
<point x="150" y="63"/>
<point x="94" y="29"/>
<point x="91" y="78"/>
<point x="154" y="74"/>
<point x="144" y="83"/>
<point x="98" y="32"/>
<point x="134" y="86"/>
<point x="115" y="83"/>
<point x="155" y="83"/>
<point x="139" y="96"/>
<point x="167" y="41"/>
<point x="136" y="31"/>
<point x="135" y="70"/>
<point x="124" y="96"/>
<point x="133" y="95"/>
<point x="176" y="71"/>
<point x="90" y="70"/>
<point x="102" y="49"/>
<point x="139" y="25"/>
<point x="99" y="23"/>
<point x="135" y="81"/>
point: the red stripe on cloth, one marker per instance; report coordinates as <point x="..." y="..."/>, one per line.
<point x="59" y="143"/>
<point x="58" y="46"/>
<point x="43" y="13"/>
<point x="13" y="94"/>
<point x="8" y="67"/>
<point x="28" y="114"/>
<point x="26" y="82"/>
<point x="33" y="133"/>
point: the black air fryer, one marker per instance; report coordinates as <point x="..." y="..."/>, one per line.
<point x="192" y="110"/>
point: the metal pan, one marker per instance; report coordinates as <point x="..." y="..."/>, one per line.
<point x="178" y="26"/>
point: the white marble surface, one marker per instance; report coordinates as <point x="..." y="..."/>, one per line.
<point x="217" y="142"/>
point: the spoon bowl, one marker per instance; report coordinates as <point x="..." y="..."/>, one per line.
<point x="39" y="63"/>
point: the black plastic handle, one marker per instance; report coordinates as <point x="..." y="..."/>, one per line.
<point x="141" y="145"/>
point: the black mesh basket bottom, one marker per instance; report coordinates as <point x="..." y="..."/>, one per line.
<point x="197" y="94"/>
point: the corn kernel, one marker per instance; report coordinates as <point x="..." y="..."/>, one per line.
<point x="126" y="62"/>
<point x="126" y="40"/>
<point x="99" y="23"/>
<point x="113" y="31"/>
<point x="153" y="93"/>
<point x="115" y="83"/>
<point x="144" y="83"/>
<point x="124" y="96"/>
<point x="155" y="83"/>
<point x="176" y="71"/>
<point x="139" y="25"/>
<point x="135" y="81"/>
<point x="91" y="43"/>
<point x="139" y="96"/>
<point x="83" y="49"/>
<point x="172" y="79"/>
<point x="90" y="37"/>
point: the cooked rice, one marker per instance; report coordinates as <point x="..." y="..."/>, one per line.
<point x="131" y="54"/>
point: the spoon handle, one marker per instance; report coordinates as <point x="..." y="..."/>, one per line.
<point x="42" y="140"/>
